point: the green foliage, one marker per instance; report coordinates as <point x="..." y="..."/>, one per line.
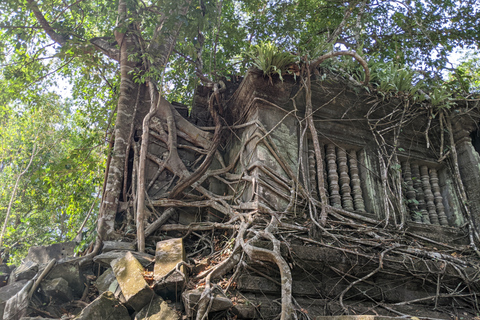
<point x="441" y="97"/>
<point x="267" y="57"/>
<point x="55" y="194"/>
<point x="392" y="78"/>
<point x="465" y="79"/>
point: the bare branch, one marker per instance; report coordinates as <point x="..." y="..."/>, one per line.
<point x="314" y="64"/>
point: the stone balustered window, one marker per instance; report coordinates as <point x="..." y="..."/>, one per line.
<point x="426" y="194"/>
<point x="342" y="178"/>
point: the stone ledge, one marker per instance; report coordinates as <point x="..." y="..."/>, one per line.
<point x="365" y="317"/>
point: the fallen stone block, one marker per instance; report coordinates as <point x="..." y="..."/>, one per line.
<point x="70" y="272"/>
<point x="5" y="271"/>
<point x="57" y="289"/>
<point x="168" y="254"/>
<point x="117" y="291"/>
<point x="57" y="251"/>
<point x="129" y="274"/>
<point x="17" y="305"/>
<point x="25" y="271"/>
<point x="105" y="307"/>
<point x="106" y="258"/>
<point x="118" y="245"/>
<point x="9" y="291"/>
<point x="157" y="309"/>
<point x="191" y="297"/>
<point x="105" y="280"/>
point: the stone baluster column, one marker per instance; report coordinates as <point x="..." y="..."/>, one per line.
<point x="346" y="191"/>
<point x="442" y="217"/>
<point x="427" y="190"/>
<point x="411" y="196"/>
<point x="417" y="184"/>
<point x="356" y="187"/>
<point x="312" y="171"/>
<point x="333" y="187"/>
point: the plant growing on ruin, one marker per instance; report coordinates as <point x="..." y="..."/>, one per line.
<point x="267" y="57"/>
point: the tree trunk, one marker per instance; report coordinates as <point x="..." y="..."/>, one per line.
<point x="125" y="114"/>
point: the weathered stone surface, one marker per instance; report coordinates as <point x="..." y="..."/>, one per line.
<point x="364" y="317"/>
<point x="70" y="272"/>
<point x="57" y="251"/>
<point x="157" y="309"/>
<point x="35" y="318"/>
<point x="57" y="289"/>
<point x="117" y="245"/>
<point x="105" y="280"/>
<point x="168" y="254"/>
<point x="106" y="258"/>
<point x="190" y="300"/>
<point x="25" y="271"/>
<point x="105" y="307"/>
<point x="17" y="305"/>
<point x="9" y="291"/>
<point x="129" y="274"/>
<point x="117" y="291"/>
<point x="243" y="311"/>
<point x="4" y="274"/>
<point x="393" y="291"/>
<point x="268" y="307"/>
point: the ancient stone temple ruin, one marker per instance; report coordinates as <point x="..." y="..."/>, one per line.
<point x="386" y="166"/>
<point x="376" y="214"/>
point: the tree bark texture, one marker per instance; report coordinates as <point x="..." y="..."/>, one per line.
<point x="125" y="114"/>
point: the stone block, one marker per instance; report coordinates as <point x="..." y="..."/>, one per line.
<point x="191" y="297"/>
<point x="57" y="289"/>
<point x="18" y="305"/>
<point x="243" y="311"/>
<point x="9" y="291"/>
<point x="361" y="317"/>
<point x="4" y="274"/>
<point x="117" y="245"/>
<point x="57" y="251"/>
<point x="106" y="258"/>
<point x="105" y="280"/>
<point x="105" y="307"/>
<point x="158" y="309"/>
<point x="129" y="274"/>
<point x="117" y="291"/>
<point x="250" y="283"/>
<point x="25" y="271"/>
<point x="167" y="255"/>
<point x="70" y="272"/>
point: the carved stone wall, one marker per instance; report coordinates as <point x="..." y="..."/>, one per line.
<point x="274" y="158"/>
<point x="352" y="171"/>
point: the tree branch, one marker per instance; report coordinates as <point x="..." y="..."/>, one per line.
<point x="103" y="45"/>
<point x="12" y="197"/>
<point x="314" y="64"/>
<point x="58" y="38"/>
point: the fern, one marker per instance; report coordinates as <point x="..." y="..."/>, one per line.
<point x="268" y="58"/>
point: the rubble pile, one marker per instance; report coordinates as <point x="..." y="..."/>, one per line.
<point x="123" y="289"/>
